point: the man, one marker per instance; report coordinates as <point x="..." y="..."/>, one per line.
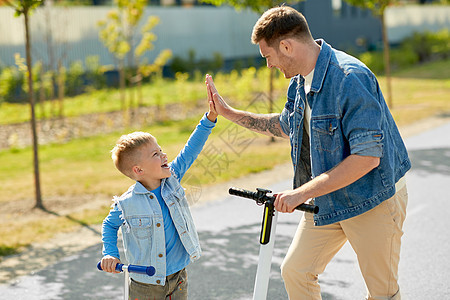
<point x="347" y="153"/>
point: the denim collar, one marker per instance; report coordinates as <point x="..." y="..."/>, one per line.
<point x="139" y="188"/>
<point x="321" y="67"/>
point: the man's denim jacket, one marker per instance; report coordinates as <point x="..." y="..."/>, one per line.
<point x="143" y="227"/>
<point x="349" y="116"/>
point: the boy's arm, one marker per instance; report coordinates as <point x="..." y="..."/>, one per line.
<point x="193" y="147"/>
<point x="110" y="252"/>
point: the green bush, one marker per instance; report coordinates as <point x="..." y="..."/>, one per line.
<point x="430" y="45"/>
<point x="11" y="83"/>
<point x="95" y="73"/>
<point x="74" y="80"/>
<point x="420" y="47"/>
<point x="403" y="58"/>
<point x="191" y="65"/>
<point x="78" y="78"/>
<point x="400" y="58"/>
<point x="373" y="60"/>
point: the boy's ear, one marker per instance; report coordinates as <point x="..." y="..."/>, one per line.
<point x="137" y="170"/>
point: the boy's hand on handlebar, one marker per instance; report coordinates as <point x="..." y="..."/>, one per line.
<point x="109" y="264"/>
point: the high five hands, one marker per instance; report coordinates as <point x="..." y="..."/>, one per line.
<point x="220" y="106"/>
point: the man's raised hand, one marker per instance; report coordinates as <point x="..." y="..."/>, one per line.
<point x="221" y="107"/>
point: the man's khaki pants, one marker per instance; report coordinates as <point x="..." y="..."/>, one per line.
<point x="375" y="236"/>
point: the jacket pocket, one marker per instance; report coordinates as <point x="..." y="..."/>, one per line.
<point x="141" y="226"/>
<point x="326" y="134"/>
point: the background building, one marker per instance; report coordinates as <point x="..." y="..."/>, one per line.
<point x="71" y="33"/>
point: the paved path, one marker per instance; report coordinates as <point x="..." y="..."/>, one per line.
<point x="229" y="232"/>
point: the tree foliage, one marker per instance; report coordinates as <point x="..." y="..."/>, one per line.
<point x="119" y="33"/>
<point x="258" y="6"/>
<point x="22" y="6"/>
<point x="376" y="6"/>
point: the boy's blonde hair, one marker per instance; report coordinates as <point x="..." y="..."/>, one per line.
<point x="126" y="153"/>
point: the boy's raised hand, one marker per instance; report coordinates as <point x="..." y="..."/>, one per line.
<point x="212" y="113"/>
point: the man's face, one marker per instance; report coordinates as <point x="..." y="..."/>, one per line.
<point x="276" y="59"/>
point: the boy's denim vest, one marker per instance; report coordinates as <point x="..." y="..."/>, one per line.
<point x="349" y="116"/>
<point x="143" y="228"/>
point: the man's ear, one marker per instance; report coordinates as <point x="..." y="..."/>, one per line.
<point x="286" y="46"/>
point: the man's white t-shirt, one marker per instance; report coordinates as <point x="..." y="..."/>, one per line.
<point x="307" y="116"/>
<point x="401" y="183"/>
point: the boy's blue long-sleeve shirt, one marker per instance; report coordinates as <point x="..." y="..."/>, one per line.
<point x="142" y="225"/>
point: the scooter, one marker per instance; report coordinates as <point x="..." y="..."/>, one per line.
<point x="268" y="229"/>
<point x="126" y="269"/>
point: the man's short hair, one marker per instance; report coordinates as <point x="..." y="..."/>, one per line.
<point x="125" y="153"/>
<point x="279" y="23"/>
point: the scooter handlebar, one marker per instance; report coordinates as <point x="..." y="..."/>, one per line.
<point x="261" y="197"/>
<point x="150" y="270"/>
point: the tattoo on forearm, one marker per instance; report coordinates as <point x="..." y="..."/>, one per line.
<point x="261" y="123"/>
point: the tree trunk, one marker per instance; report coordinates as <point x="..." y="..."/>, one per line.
<point x="122" y="85"/>
<point x="42" y="93"/>
<point x="387" y="61"/>
<point x="61" y="88"/>
<point x="37" y="183"/>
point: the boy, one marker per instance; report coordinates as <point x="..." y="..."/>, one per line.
<point x="156" y="223"/>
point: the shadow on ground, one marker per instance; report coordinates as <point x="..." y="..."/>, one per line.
<point x="228" y="266"/>
<point x="226" y="271"/>
<point x="435" y="160"/>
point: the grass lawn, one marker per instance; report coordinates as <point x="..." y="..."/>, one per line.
<point x="83" y="166"/>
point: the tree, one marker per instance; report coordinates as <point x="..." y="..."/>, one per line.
<point x="25" y="7"/>
<point x="146" y="44"/>
<point x="378" y="8"/>
<point x="56" y="52"/>
<point x="118" y="35"/>
<point x="113" y="34"/>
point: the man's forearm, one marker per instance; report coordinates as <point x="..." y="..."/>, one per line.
<point x="267" y="124"/>
<point x="348" y="171"/>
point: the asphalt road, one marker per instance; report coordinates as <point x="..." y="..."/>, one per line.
<point x="229" y="233"/>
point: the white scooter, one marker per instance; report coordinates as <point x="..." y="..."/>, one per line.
<point x="268" y="228"/>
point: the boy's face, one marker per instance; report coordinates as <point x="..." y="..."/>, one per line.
<point x="153" y="165"/>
